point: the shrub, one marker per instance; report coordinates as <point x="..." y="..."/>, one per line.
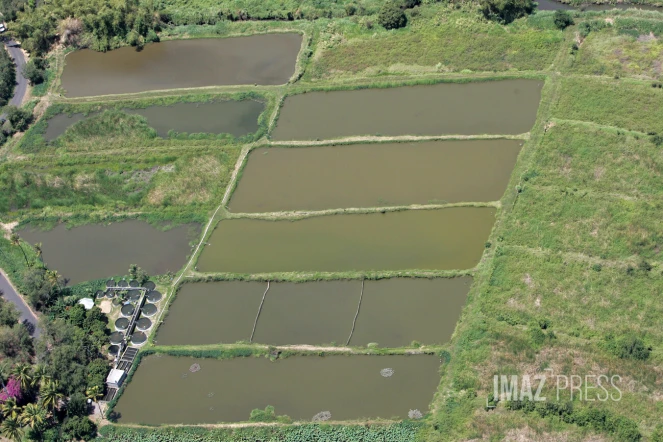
<point x="34" y="71"/>
<point x="79" y="428"/>
<point x="506" y="11"/>
<point x="562" y="19"/>
<point x="409" y="4"/>
<point x="657" y="140"/>
<point x="18" y="118"/>
<point x="391" y="16"/>
<point x="631" y="347"/>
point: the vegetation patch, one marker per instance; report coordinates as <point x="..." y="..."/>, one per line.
<point x="191" y="180"/>
<point x="634" y="105"/>
<point x="584" y="156"/>
<point x="590" y="224"/>
<point x="107" y="127"/>
<point x="440" y="39"/>
<point x="403" y="431"/>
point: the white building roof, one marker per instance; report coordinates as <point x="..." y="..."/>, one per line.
<point x="88" y="303"/>
<point x="115" y="376"/>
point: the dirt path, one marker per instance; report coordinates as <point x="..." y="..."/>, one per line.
<point x="8" y="228"/>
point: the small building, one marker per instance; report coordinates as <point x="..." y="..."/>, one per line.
<point x="115" y="378"/>
<point x="88" y="303"/>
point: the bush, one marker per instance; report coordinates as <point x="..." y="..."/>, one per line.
<point x="657" y="140"/>
<point x="506" y="11"/>
<point x="409" y="4"/>
<point x="35" y="71"/>
<point x="562" y="19"/>
<point x="391" y="16"/>
<point x="77" y="405"/>
<point x="78" y="428"/>
<point x="18" y="118"/>
<point x="631" y="347"/>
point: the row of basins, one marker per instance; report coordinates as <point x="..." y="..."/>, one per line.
<point x="394" y="312"/>
<point x="492" y="107"/>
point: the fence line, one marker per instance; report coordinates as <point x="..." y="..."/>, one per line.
<point x="259" y="310"/>
<point x="354" y="322"/>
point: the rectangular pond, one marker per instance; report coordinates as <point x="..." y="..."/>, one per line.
<point x="99" y="251"/>
<point x="164" y="391"/>
<point x="236" y="118"/>
<point x="442" y="239"/>
<point x="489" y="107"/>
<point x="393" y="312"/>
<point x="258" y="59"/>
<point x="370" y="175"/>
<point x="209" y="313"/>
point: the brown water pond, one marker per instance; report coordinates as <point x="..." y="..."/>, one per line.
<point x="489" y="107"/>
<point x="262" y="59"/>
<point x="394" y="312"/>
<point x="237" y="118"/>
<point x="59" y="123"/>
<point x="330" y="177"/>
<point x="443" y="239"/>
<point x="98" y="251"/>
<point x="164" y="391"/>
<point x="231" y="117"/>
<point x="209" y="313"/>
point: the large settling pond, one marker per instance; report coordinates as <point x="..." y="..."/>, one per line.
<point x="164" y="391"/>
<point x="98" y="251"/>
<point x="393" y="312"/>
<point x="237" y="118"/>
<point x="490" y="107"/>
<point x="261" y="59"/>
<point x="330" y="177"/>
<point x="414" y="239"/>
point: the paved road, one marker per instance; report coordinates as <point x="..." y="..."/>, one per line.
<point x="21" y="83"/>
<point x="10" y="295"/>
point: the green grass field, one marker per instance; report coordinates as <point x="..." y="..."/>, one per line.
<point x="441" y="39"/>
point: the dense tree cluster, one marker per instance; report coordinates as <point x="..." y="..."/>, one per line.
<point x="45" y="383"/>
<point x="100" y="24"/>
<point x="391" y="16"/>
<point x="7" y="77"/>
<point x="506" y="11"/>
<point x="35" y="70"/>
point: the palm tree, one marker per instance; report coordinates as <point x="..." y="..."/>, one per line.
<point x="11" y="429"/>
<point x="50" y="394"/>
<point x="40" y="375"/>
<point x="16" y="240"/>
<point x="38" y="249"/>
<point x="94" y="394"/>
<point x="22" y="373"/>
<point x="34" y="416"/>
<point x="10" y="409"/>
<point x="53" y="277"/>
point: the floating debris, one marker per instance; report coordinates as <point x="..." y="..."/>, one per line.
<point x="194" y="368"/>
<point x="210" y="394"/>
<point x="322" y="416"/>
<point x="185" y="375"/>
<point x="415" y="414"/>
<point x="387" y="372"/>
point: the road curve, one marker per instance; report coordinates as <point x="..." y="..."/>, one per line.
<point x="10" y="294"/>
<point x="21" y="87"/>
